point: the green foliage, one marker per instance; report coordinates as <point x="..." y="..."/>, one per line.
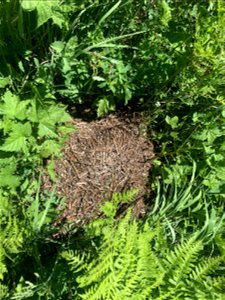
<point x="11" y="237"/>
<point x="29" y="132"/>
<point x="25" y="233"/>
<point x="165" y="58"/>
<point x="45" y="11"/>
<point x="188" y="122"/>
<point x="92" y="53"/>
<point x="132" y="262"/>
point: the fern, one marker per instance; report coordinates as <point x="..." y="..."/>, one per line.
<point x="130" y="265"/>
<point x="11" y="239"/>
<point x="166" y="17"/>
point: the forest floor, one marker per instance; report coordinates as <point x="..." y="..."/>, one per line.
<point x="100" y="158"/>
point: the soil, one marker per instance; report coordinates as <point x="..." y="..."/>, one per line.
<point x="102" y="157"/>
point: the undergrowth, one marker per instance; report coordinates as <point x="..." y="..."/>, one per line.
<point x="156" y="56"/>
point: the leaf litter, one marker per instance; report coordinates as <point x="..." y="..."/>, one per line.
<point x="100" y="158"/>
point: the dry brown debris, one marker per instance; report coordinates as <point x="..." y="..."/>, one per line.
<point x="102" y="157"/>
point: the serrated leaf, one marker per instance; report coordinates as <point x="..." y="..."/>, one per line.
<point x="6" y="125"/>
<point x="7" y="177"/>
<point x="58" y="114"/>
<point x="51" y="170"/>
<point x="15" y="143"/>
<point x="220" y="172"/>
<point x="67" y="128"/>
<point x="22" y="129"/>
<point x="52" y="115"/>
<point x="103" y="107"/>
<point x="33" y="114"/>
<point x="21" y="110"/>
<point x="59" y="19"/>
<point x="209" y="134"/>
<point x="17" y="140"/>
<point x="47" y="130"/>
<point x="50" y="147"/>
<point x="13" y="107"/>
<point x="9" y="108"/>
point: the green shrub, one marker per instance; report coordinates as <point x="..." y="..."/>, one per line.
<point x="29" y="132"/>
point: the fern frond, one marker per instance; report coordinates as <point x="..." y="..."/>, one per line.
<point x="166" y="17"/>
<point x="181" y="260"/>
<point x="3" y="290"/>
<point x="203" y="269"/>
<point x="11" y="236"/>
<point x="129" y="264"/>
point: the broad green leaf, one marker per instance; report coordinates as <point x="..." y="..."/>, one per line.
<point x="15" y="143"/>
<point x="33" y="113"/>
<point x="6" y="125"/>
<point x="21" y="67"/>
<point x="57" y="114"/>
<point x="104" y="106"/>
<point x="173" y="122"/>
<point x="13" y="107"/>
<point x="50" y="147"/>
<point x="51" y="170"/>
<point x="67" y="128"/>
<point x="4" y="82"/>
<point x="22" y="129"/>
<point x="21" y="110"/>
<point x="128" y="94"/>
<point x="9" y="108"/>
<point x="220" y="172"/>
<point x="209" y="134"/>
<point x="58" y="46"/>
<point x="47" y="130"/>
<point x="44" y="10"/>
<point x="7" y="177"/>
<point x="52" y="115"/>
<point x="17" y="140"/>
<point x="66" y="65"/>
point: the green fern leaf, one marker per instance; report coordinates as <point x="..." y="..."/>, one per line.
<point x="130" y="265"/>
<point x="166" y="13"/>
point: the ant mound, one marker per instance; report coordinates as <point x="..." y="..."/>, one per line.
<point x="100" y="158"/>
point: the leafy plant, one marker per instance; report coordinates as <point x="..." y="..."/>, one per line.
<point x="26" y="232"/>
<point x="133" y="262"/>
<point x="164" y="58"/>
<point x="12" y="238"/>
<point x="29" y="132"/>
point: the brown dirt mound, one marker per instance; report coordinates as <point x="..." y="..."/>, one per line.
<point x="100" y="158"/>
